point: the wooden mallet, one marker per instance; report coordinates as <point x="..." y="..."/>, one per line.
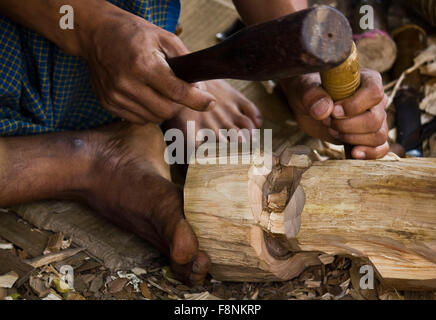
<point x="312" y="40"/>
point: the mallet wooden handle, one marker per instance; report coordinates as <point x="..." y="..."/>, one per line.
<point x="342" y="82"/>
<point x="308" y="41"/>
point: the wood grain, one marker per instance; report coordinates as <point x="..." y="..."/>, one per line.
<point x="384" y="211"/>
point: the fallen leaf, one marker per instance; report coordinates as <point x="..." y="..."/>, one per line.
<point x="60" y="285"/>
<point x="145" y="291"/>
<point x="139" y="271"/>
<point x="116" y="285"/>
<point x="74" y="296"/>
<point x="200" y="296"/>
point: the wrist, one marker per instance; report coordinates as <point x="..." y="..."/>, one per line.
<point x="98" y="15"/>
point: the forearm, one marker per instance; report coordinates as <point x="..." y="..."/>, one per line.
<point x="43" y="16"/>
<point x="256" y="11"/>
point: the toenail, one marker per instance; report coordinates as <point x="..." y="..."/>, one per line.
<point x="196" y="268"/>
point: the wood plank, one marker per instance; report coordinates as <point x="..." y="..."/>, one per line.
<point x="10" y="262"/>
<point x="116" y="248"/>
<point x="31" y="241"/>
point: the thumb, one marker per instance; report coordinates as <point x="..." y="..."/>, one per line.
<point x="317" y="102"/>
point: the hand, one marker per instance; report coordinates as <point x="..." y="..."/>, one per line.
<point x="359" y="120"/>
<point x="130" y="75"/>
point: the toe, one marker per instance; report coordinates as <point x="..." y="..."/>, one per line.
<point x="244" y="122"/>
<point x="184" y="244"/>
<point x="250" y="110"/>
<point x="200" y="267"/>
<point x="195" y="272"/>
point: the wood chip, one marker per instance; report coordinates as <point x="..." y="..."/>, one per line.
<point x="74" y="296"/>
<point x="429" y="104"/>
<point x="66" y="243"/>
<point x="52" y="296"/>
<point x="326" y="259"/>
<point x="312" y="284"/>
<point x="53" y="257"/>
<point x="277" y="201"/>
<point x="54" y="243"/>
<point x="300" y="161"/>
<point x="89" y="265"/>
<point x="429" y="69"/>
<point x="432" y="143"/>
<point x="145" y="291"/>
<point x="200" y="296"/>
<point x="7" y="280"/>
<point x="96" y="284"/>
<point x="39" y="287"/>
<point x="6" y="246"/>
<point x="10" y="262"/>
<point x="14" y="230"/>
<point x="3" y="293"/>
<point x="116" y="285"/>
<point x="390" y="157"/>
<point x="139" y="271"/>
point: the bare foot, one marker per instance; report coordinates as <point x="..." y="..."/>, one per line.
<point x="232" y="111"/>
<point x="129" y="183"/>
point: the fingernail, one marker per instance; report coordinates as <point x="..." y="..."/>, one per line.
<point x="359" y="154"/>
<point x="327" y="122"/>
<point x="320" y="108"/>
<point x="211" y="106"/>
<point x="259" y="121"/>
<point x="334" y="133"/>
<point x="338" y="112"/>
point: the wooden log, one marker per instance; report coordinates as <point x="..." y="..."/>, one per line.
<point x="376" y="48"/>
<point x="427" y="8"/>
<point x="384" y="211"/>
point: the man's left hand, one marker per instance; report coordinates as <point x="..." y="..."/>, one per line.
<point x="359" y="120"/>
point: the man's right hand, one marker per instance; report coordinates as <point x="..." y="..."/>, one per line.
<point x="129" y="72"/>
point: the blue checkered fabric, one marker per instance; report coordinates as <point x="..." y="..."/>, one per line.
<point x="42" y="89"/>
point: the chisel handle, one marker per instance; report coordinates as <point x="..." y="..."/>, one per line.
<point x="342" y="82"/>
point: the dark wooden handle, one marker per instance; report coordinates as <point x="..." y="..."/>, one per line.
<point x="408" y="118"/>
<point x="308" y="41"/>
